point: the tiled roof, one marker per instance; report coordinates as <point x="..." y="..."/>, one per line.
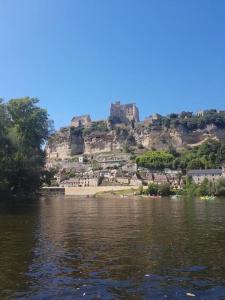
<point x="205" y="172"/>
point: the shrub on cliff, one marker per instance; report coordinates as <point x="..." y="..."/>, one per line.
<point x="96" y="128"/>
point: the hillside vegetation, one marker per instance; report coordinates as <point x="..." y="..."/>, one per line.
<point x="210" y="154"/>
<point x="191" y="121"/>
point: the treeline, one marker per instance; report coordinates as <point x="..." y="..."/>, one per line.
<point x="205" y="188"/>
<point x="208" y="155"/>
<point x="190" y="188"/>
<point x="191" y="121"/>
<point x="24" y="128"/>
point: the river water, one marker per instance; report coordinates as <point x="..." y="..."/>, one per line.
<point x="66" y="248"/>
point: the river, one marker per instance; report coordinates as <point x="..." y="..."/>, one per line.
<point x="70" y="248"/>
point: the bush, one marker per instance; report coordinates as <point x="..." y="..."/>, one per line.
<point x="96" y="127"/>
<point x="155" y="160"/>
<point x="220" y="187"/>
<point x="164" y="189"/>
<point x="158" y="189"/>
<point x="152" y="189"/>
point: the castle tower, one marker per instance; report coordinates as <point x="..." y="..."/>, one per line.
<point x="126" y="113"/>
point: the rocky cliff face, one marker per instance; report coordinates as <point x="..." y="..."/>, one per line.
<point x="73" y="141"/>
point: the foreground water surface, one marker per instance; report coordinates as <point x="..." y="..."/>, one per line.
<point x="66" y="248"/>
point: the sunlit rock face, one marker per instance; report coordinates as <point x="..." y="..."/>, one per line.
<point x="70" y="141"/>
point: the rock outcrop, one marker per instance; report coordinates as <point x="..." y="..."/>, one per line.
<point x="71" y="141"/>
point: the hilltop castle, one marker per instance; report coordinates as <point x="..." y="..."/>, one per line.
<point x="119" y="113"/>
<point x="124" y="113"/>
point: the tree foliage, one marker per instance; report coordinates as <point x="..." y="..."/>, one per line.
<point x="155" y="189"/>
<point x="205" y="188"/>
<point x="24" y="128"/>
<point x="208" y="155"/>
<point x="155" y="160"/>
<point x="190" y="121"/>
<point x="96" y="127"/>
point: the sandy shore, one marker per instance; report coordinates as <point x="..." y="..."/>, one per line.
<point x="91" y="191"/>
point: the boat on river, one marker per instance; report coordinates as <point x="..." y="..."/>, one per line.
<point x="208" y="197"/>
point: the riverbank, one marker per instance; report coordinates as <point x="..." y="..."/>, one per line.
<point x="97" y="190"/>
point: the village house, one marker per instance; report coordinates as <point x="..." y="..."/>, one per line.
<point x="123" y="180"/>
<point x="211" y="174"/>
<point x="111" y="161"/>
<point x="136" y="181"/>
<point x="80" y="182"/>
<point x="176" y="182"/>
<point x="159" y="178"/>
<point x="130" y="167"/>
<point x="151" y="176"/>
<point x="170" y="172"/>
<point x="108" y="175"/>
<point x="174" y="177"/>
<point x="146" y="177"/>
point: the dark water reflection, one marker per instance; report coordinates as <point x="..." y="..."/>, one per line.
<point x="68" y="248"/>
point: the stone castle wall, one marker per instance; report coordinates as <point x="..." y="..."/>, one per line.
<point x="81" y="121"/>
<point x="124" y="113"/>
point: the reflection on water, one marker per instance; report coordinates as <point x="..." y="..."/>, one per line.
<point x="65" y="248"/>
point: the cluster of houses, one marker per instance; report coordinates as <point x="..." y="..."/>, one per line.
<point x="130" y="174"/>
<point x="111" y="172"/>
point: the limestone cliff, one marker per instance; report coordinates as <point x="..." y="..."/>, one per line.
<point x="100" y="138"/>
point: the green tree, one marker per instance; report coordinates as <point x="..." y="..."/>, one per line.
<point x="203" y="189"/>
<point x="155" y="160"/>
<point x="196" y="164"/>
<point x="164" y="189"/>
<point x="152" y="189"/>
<point x="24" y="129"/>
<point x="220" y="187"/>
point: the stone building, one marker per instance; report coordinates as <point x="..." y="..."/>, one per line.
<point x="81" y="121"/>
<point x="80" y="182"/>
<point x="136" y="181"/>
<point x="211" y="174"/>
<point x="124" y="113"/>
<point x="123" y="180"/>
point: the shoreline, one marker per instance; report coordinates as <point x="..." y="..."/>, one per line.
<point x="91" y="191"/>
<point x="99" y="190"/>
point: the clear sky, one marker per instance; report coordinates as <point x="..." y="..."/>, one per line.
<point x="77" y="56"/>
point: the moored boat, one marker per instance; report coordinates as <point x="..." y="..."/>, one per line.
<point x="207" y="197"/>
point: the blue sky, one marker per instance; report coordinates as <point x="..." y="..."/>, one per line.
<point x="79" y="56"/>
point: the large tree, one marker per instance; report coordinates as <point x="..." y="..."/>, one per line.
<point x="155" y="160"/>
<point x="24" y="128"/>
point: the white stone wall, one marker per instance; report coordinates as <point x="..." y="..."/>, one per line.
<point x="199" y="179"/>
